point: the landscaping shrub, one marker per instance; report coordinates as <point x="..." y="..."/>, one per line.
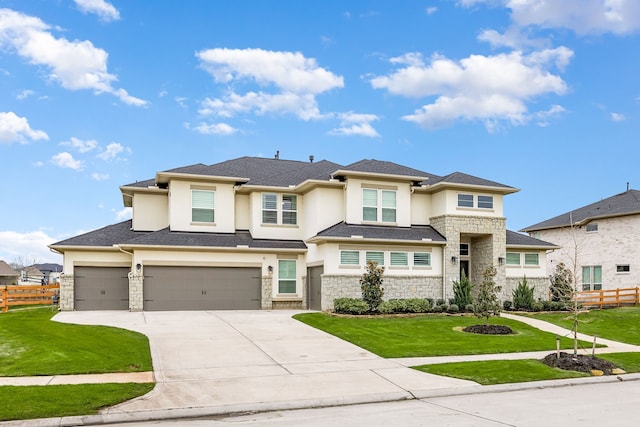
<point x="350" y="306"/>
<point x="439" y="301"/>
<point x="487" y="303"/>
<point x="430" y="300"/>
<point x="444" y="308"/>
<point x="538" y="306"/>
<point x="506" y="305"/>
<point x="547" y="306"/>
<point x="453" y="309"/>
<point x="437" y="309"/>
<point x="451" y="301"/>
<point x="410" y="305"/>
<point x="558" y="306"/>
<point x="468" y="308"/>
<point x="523" y="296"/>
<point x="462" y="291"/>
<point x="371" y="285"/>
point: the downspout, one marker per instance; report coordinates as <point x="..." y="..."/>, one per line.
<point x="444" y="272"/>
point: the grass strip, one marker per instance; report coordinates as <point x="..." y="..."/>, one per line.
<point x="32" y="344"/>
<point x="431" y="335"/>
<point x="30" y="402"/>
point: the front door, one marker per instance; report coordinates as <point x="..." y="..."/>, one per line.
<point x="464" y="267"/>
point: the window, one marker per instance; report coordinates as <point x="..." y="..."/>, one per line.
<point x="592" y="228"/>
<point x="592" y="278"/>
<point x="531" y="259"/>
<point x="464" y="249"/>
<point x="465" y="200"/>
<point x="378" y="205"/>
<point x="485" y="202"/>
<point x="202" y="206"/>
<point x="399" y="258"/>
<point x="623" y="268"/>
<point x="269" y="208"/>
<point x="422" y="259"/>
<point x="513" y="258"/>
<point x="288" y="208"/>
<point x="349" y="257"/>
<point x="375" y="256"/>
<point x="286" y="276"/>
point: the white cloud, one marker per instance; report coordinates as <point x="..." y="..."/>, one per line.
<point x="112" y="151"/>
<point x="122" y="214"/>
<point x="290" y="82"/>
<point x="80" y="145"/>
<point x="31" y="246"/>
<point x="66" y="160"/>
<point x="486" y="88"/>
<point x="215" y="129"/>
<point x="75" y="65"/>
<point x="100" y="176"/>
<point x="431" y="10"/>
<point x="24" y="94"/>
<point x="356" y="124"/>
<point x="618" y="117"/>
<point x="162" y="93"/>
<point x="542" y="117"/>
<point x="14" y="128"/>
<point x="105" y="10"/>
<point x="580" y="16"/>
<point x="513" y="37"/>
<point x="181" y="101"/>
<point x="38" y="164"/>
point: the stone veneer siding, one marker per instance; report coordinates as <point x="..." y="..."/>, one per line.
<point x="540" y="288"/>
<point x="488" y="243"/>
<point x="136" y="291"/>
<point x="66" y="292"/>
<point x="267" y="292"/>
<point x="395" y="287"/>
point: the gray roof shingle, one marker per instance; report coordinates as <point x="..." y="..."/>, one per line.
<point x="106" y="236"/>
<point x="388" y="168"/>
<point x="519" y="239"/>
<point x="463" y="178"/>
<point x="626" y="203"/>
<point x="418" y="233"/>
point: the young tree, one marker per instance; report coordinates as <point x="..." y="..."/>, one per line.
<point x="371" y="285"/>
<point x="561" y="287"/>
<point x="523" y="296"/>
<point x="487" y="303"/>
<point x="462" y="291"/>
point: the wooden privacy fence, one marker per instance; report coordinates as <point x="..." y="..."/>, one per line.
<point x="609" y="297"/>
<point x="28" y="294"/>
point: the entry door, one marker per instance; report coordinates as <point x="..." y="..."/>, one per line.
<point x="314" y="276"/>
<point x="464" y="266"/>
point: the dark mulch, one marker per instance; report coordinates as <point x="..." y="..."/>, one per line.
<point x="489" y="329"/>
<point x="580" y="363"/>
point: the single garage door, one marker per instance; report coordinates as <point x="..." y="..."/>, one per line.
<point x="202" y="288"/>
<point x="101" y="288"/>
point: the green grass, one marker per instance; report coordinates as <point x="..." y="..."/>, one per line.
<point x="430" y="335"/>
<point x="618" y="324"/>
<point x="29" y="402"/>
<point x="500" y="371"/>
<point x="515" y="371"/>
<point x="32" y="344"/>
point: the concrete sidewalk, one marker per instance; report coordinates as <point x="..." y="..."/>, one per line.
<point x="221" y="362"/>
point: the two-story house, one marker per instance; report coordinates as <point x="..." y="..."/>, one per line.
<point x="601" y="240"/>
<point x="256" y="233"/>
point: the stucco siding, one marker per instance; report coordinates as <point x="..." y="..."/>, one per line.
<point x="150" y="211"/>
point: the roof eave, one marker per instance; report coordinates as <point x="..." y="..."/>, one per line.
<point x="165" y="177"/>
<point x="63" y="248"/>
<point x="343" y="172"/>
<point x="455" y="185"/>
<point x="579" y="223"/>
<point x="303" y="187"/>
<point x="239" y="248"/>
<point x="539" y="247"/>
<point x="351" y="239"/>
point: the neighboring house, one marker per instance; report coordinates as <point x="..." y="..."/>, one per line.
<point x="51" y="271"/>
<point x="8" y="276"/>
<point x="31" y="276"/>
<point x="604" y="237"/>
<point x="254" y="233"/>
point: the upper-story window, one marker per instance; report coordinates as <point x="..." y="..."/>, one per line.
<point x="465" y="200"/>
<point x="276" y="206"/>
<point x="378" y="205"/>
<point x="485" y="202"/>
<point x="593" y="227"/>
<point x="464" y="249"/>
<point x="203" y="206"/>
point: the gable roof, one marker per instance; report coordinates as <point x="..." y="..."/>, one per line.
<point x="415" y="233"/>
<point x="627" y="203"/>
<point x="7" y="271"/>
<point x="519" y="240"/>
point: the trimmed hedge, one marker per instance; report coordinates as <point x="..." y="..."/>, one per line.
<point x="409" y="305"/>
<point x="350" y="306"/>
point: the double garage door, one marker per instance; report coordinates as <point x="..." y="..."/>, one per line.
<point x="170" y="288"/>
<point x="202" y="288"/>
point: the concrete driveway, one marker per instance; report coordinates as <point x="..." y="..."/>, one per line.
<point x="234" y="361"/>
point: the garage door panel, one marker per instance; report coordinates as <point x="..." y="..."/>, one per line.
<point x="101" y="288"/>
<point x="202" y="288"/>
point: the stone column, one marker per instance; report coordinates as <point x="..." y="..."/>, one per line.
<point x="136" y="291"/>
<point x="267" y="292"/>
<point x="66" y="292"/>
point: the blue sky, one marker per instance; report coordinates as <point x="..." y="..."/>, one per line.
<point x="540" y="95"/>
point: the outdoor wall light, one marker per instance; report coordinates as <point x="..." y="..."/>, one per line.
<point x="454" y="259"/>
<point x="270" y="269"/>
<point x="138" y="266"/>
<point x="501" y="260"/>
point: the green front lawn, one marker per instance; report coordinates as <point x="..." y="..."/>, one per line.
<point x="618" y="324"/>
<point x="32" y="344"/>
<point x="29" y="402"/>
<point x="431" y="335"/>
<point x="515" y="371"/>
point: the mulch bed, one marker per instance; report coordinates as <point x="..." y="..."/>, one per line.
<point x="580" y="363"/>
<point x="489" y="329"/>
